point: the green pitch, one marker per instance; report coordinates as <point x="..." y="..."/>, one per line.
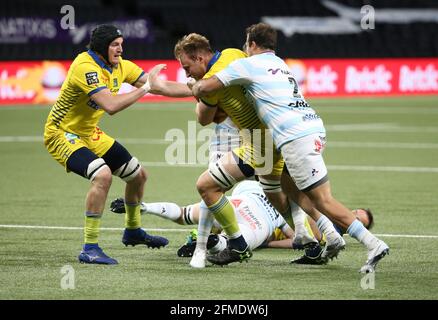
<point x="382" y="153"/>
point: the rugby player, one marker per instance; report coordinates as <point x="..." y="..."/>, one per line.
<point x="254" y="157"/>
<point x="299" y="134"/>
<point x="73" y="138"/>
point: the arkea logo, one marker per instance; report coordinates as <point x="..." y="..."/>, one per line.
<point x="274" y="71"/>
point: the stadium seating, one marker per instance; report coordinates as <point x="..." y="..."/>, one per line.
<point x="224" y="23"/>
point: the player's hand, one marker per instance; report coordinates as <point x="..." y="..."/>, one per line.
<point x="190" y="83"/>
<point x="153" y="78"/>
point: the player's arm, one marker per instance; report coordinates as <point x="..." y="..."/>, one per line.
<point x="163" y="87"/>
<point x="288" y="232"/>
<point x="220" y="115"/>
<point x="205" y="113"/>
<point x="280" y="244"/>
<point x="115" y="103"/>
<point x="228" y="76"/>
<point x="206" y="86"/>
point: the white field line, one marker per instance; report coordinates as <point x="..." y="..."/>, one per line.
<point x="330" y="167"/>
<point x="334" y="144"/>
<point x="17" y="226"/>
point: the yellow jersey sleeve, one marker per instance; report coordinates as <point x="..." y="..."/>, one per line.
<point x="88" y="78"/>
<point x="131" y="72"/>
<point x="227" y="56"/>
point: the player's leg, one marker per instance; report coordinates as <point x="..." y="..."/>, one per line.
<point x="248" y="233"/>
<point x="187" y="215"/>
<point x="85" y="163"/>
<point x="72" y="152"/>
<point x="211" y="185"/>
<point x="271" y="185"/>
<point x="128" y="168"/>
<point x="307" y="167"/>
<point x="341" y="215"/>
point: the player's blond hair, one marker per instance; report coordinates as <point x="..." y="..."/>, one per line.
<point x="191" y="45"/>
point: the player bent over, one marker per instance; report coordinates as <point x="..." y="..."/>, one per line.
<point x="298" y="132"/>
<point x="200" y="62"/>
<point x="252" y="214"/>
<point x="74" y="140"/>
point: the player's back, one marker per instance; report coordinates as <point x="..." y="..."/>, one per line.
<point x="275" y="95"/>
<point x="252" y="193"/>
<point x="232" y="99"/>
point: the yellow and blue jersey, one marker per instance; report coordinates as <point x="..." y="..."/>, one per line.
<point x="231" y="99"/>
<point x="74" y="111"/>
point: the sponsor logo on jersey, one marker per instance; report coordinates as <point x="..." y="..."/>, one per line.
<point x="91" y="78"/>
<point x="71" y="137"/>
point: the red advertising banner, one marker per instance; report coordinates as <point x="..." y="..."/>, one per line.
<point x="39" y="82"/>
<point x="352" y="77"/>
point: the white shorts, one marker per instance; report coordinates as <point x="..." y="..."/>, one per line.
<point x="226" y="138"/>
<point x="303" y="158"/>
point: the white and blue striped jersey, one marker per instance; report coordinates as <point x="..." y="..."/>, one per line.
<point x="275" y="95"/>
<point x="226" y="137"/>
<point x="254" y="210"/>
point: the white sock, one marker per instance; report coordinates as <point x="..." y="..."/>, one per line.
<point x="206" y="219"/>
<point x="298" y="216"/>
<point x="221" y="245"/>
<point x="326" y="226"/>
<point x="360" y="233"/>
<point x="165" y="210"/>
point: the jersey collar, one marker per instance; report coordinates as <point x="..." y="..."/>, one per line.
<point x="213" y="60"/>
<point x="99" y="61"/>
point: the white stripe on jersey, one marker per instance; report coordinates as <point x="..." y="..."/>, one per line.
<point x="275" y="95"/>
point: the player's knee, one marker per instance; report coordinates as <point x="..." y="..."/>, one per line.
<point x="103" y="178"/>
<point x="202" y="184"/>
<point x="143" y="175"/>
<point x="219" y="176"/>
<point x="206" y="184"/>
<point x="97" y="168"/>
<point x="130" y="171"/>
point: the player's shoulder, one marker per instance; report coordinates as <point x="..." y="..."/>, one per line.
<point x="125" y="62"/>
<point x="83" y="57"/>
<point x="233" y="54"/>
<point x="84" y="61"/>
<point x="227" y="56"/>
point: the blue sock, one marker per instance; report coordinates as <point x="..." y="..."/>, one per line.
<point x="355" y="229"/>
<point x="89" y="246"/>
<point x="239" y="243"/>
